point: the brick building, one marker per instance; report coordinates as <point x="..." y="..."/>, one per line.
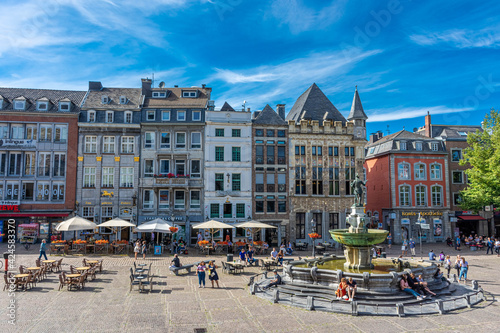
<point x="270" y="173"/>
<point x="407" y="177"/>
<point x="38" y="158"/>
<point x="326" y="153"/>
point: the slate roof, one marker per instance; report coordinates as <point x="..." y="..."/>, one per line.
<point x="33" y="95"/>
<point x="391" y="144"/>
<point x="357" y="111"/>
<point x="451" y="132"/>
<point x="269" y="117"/>
<point x="226" y="107"/>
<point x="175" y="99"/>
<point x="314" y="105"/>
<point x="133" y="95"/>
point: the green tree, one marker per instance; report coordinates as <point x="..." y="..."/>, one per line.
<point x="483" y="158"/>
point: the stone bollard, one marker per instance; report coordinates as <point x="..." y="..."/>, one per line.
<point x="440" y="306"/>
<point x="252" y="288"/>
<point x="354" y="308"/>
<point x="455" y="280"/>
<point x="251" y="280"/>
<point x="276" y="296"/>
<point x="467" y="299"/>
<point x="310" y="303"/>
<point x="265" y="275"/>
<point x="475" y="285"/>
<point x="366" y="279"/>
<point x="339" y="275"/>
<point x="400" y="309"/>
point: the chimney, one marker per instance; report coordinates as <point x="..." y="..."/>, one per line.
<point x="203" y="85"/>
<point x="95" y="85"/>
<point x="146" y="87"/>
<point x="280" y="108"/>
<point x="427" y="132"/>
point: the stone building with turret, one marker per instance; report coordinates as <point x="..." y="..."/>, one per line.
<point x="326" y="153"/>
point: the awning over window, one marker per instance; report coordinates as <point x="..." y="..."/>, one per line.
<point x="471" y="217"/>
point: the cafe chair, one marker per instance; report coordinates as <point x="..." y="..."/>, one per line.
<point x="148" y="282"/>
<point x="100" y="265"/>
<point x="62" y="282"/>
<point x="7" y="283"/>
<point x="72" y="269"/>
<point x="133" y="282"/>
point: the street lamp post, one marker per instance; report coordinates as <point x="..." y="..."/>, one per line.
<point x="313" y="227"/>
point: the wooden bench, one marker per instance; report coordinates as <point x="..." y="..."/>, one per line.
<point x="177" y="269"/>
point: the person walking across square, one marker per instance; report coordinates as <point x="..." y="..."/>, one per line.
<point x="43" y="248"/>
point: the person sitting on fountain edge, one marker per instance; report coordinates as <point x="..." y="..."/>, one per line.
<point x="250" y="259"/>
<point x="403" y="284"/>
<point x="274" y="282"/>
<point x="351" y="288"/>
<point x="341" y="292"/>
<point x="432" y="255"/>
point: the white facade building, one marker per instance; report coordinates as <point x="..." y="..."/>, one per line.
<point x="228" y="169"/>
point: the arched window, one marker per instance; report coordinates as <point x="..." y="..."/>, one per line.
<point x="404" y="171"/>
<point x="436" y="173"/>
<point x="421" y="195"/>
<point x="419" y="171"/>
<point x="404" y="195"/>
<point x="437" y="195"/>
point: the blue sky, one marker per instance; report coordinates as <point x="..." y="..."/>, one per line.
<point x="407" y="57"/>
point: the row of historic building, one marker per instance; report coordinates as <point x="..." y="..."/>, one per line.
<point x="142" y="153"/>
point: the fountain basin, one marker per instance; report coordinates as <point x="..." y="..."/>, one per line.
<point x="371" y="237"/>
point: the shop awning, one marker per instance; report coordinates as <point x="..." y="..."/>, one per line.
<point x="471" y="217"/>
<point x="34" y="214"/>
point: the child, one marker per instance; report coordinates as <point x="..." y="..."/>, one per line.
<point x="201" y="273"/>
<point x="342" y="289"/>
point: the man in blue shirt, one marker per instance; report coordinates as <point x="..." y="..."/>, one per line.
<point x="432" y="255"/>
<point x="489" y="245"/>
<point x="276" y="281"/>
<point x="43" y="247"/>
<point x="250" y="258"/>
<point x="412" y="247"/>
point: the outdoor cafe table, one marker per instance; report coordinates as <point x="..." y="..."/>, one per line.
<point x="236" y="265"/>
<point x="140" y="278"/>
<point x="82" y="268"/>
<point x="92" y="262"/>
<point x="20" y="276"/>
<point x="268" y="263"/>
<point x="33" y="268"/>
<point x="300" y="246"/>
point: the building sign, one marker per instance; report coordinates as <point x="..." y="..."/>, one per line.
<point x="9" y="205"/>
<point x="422" y="213"/>
<point x="106" y="203"/>
<point x="405" y="221"/>
<point x="438" y="228"/>
<point x="17" y="143"/>
<point x="125" y="203"/>
<point x="166" y="218"/>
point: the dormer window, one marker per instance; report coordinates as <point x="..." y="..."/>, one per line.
<point x="42" y="106"/>
<point x="64" y="106"/>
<point x="159" y="94"/>
<point x="402" y="145"/>
<point x="19" y="105"/>
<point x="189" y="94"/>
<point x="123" y="100"/>
<point x="104" y="99"/>
<point x="434" y="146"/>
<point x="418" y="146"/>
<point x="1" y="103"/>
<point x="463" y="133"/>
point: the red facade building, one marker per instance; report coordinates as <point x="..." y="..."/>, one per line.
<point x="407" y="178"/>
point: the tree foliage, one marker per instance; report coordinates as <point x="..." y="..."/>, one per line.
<point x="483" y="159"/>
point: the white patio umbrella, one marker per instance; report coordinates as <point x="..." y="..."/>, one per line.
<point x="156" y="225"/>
<point x="213" y="225"/>
<point x="76" y="223"/>
<point x="117" y="223"/>
<point x="254" y="226"/>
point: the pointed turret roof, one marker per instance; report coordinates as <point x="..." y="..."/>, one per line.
<point x="314" y="105"/>
<point x="268" y="117"/>
<point x="226" y="107"/>
<point x="357" y="111"/>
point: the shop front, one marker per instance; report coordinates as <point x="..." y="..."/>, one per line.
<point x="32" y="227"/>
<point x="182" y="222"/>
<point x="427" y="226"/>
<point x="469" y="223"/>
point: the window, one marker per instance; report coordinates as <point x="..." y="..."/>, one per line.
<point x="456" y="155"/>
<point x="108" y="177"/>
<point x="333" y="182"/>
<point x="28" y="191"/>
<point x="281" y="206"/>
<point x="259" y="132"/>
<point x="180" y="167"/>
<point x="300" y="180"/>
<point x="123" y="100"/>
<point x="165" y="116"/>
<point x="109" y="116"/>
<point x="281" y="133"/>
<point x="31" y="132"/>
<point x="148" y="168"/>
<point x="159" y="94"/>
<point x="236" y="154"/>
<point x="17" y="132"/>
<point x="236" y="133"/>
<point x="59" y="164"/>
<point x="46" y="132"/>
<point x="281" y="182"/>
<point x="195" y="169"/>
<point x="29" y="163"/>
<point x="300" y="150"/>
<point x="181" y="115"/>
<point x="127" y="177"/>
<point x="259" y="154"/>
<point x="43" y="164"/>
<point x="91" y="116"/>
<point x="333" y="221"/>
<point x="190" y="94"/>
<point x="149" y="140"/>
<point x="15" y="160"/>
<point x="404" y="171"/>
<point x="281" y="155"/>
<point x="163" y="199"/>
<point x="271" y="205"/>
<point x="19" y="105"/>
<point x="180" y="140"/>
<point x="300" y="222"/>
<point x="270" y="154"/>
<point x="259" y="206"/>
<point x="317" y="181"/>
<point x="259" y="182"/>
<point x="318" y="219"/>
<point x="350" y="174"/>
<point x="214" y="210"/>
<point x="419" y="171"/>
<point x="128" y="117"/>
<point x="58" y="192"/>
<point x="108" y="145"/>
<point x="435" y="171"/>
<point x="236" y="183"/>
<point x="107" y="213"/>
<point x="104" y="99"/>
<point x="434" y="146"/>
<point x="436" y="193"/>
<point x="457" y="177"/>
<point x="12" y="191"/>
<point x="179" y="200"/>
<point x="164" y="167"/>
<point x="219" y="182"/>
<point x="240" y="210"/>
<point x="227" y="210"/>
<point x="418" y="146"/>
<point x="148" y="199"/>
<point x="219" y="132"/>
<point x="196" y="140"/>
<point x="165" y="140"/>
<point x="457" y="199"/>
<point x="90" y="144"/>
<point x="128" y="144"/>
<point x="42" y="106"/>
<point x="402" y="145"/>
<point x="89" y="177"/>
<point x="88" y="212"/>
<point x="64" y="106"/>
<point x="61" y="133"/>
<point x="420" y="195"/>
<point x="404" y="195"/>
<point x="219" y="154"/>
<point x="3" y="165"/>
<point x="150" y="115"/>
<point x="195" y="200"/>
<point x="43" y="191"/>
<point x="270" y="133"/>
<point x="196" y="115"/>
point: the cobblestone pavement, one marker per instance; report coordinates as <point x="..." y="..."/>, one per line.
<point x="177" y="304"/>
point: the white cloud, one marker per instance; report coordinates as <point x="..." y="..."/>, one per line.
<point x="409" y="112"/>
<point x="461" y="38"/>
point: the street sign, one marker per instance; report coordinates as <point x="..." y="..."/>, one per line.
<point x="425" y="225"/>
